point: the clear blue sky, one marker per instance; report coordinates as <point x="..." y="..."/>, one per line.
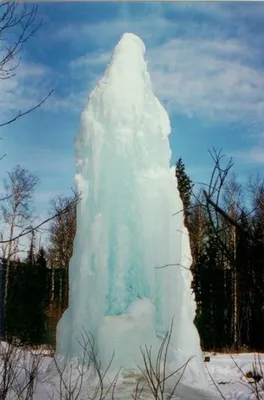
<point x="207" y="66"/>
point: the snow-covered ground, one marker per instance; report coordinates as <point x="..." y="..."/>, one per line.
<point x="34" y="375"/>
<point x="228" y="372"/>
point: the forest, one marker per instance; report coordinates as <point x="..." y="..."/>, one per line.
<point x="226" y="228"/>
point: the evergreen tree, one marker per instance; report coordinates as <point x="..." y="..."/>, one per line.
<point x="185" y="186"/>
<point x="41" y="258"/>
<point x="26" y="318"/>
<point x="213" y="285"/>
<point x="31" y="252"/>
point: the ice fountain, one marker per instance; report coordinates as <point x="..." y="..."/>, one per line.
<point x="129" y="275"/>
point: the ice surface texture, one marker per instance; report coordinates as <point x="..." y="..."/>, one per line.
<point x="120" y="289"/>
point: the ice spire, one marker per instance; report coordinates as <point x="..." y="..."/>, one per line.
<point x="129" y="272"/>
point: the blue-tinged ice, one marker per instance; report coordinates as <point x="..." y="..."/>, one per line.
<point x="129" y="272"/>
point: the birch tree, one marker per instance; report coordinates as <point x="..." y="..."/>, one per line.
<point x="232" y="200"/>
<point x="17" y="210"/>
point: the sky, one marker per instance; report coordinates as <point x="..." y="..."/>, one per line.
<point x="206" y="63"/>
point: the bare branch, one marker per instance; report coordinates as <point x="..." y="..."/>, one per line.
<point x="22" y="114"/>
<point x="17" y="21"/>
<point x="27" y="231"/>
<point x="216" y="386"/>
<point x="224" y="214"/>
<point x="173" y="265"/>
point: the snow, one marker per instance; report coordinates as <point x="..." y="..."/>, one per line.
<point x="229" y="370"/>
<point x="225" y="370"/>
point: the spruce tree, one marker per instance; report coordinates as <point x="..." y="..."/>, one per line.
<point x="185" y="186"/>
<point x="41" y="258"/>
<point x="31" y="252"/>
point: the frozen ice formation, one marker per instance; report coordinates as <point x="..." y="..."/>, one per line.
<point x="129" y="275"/>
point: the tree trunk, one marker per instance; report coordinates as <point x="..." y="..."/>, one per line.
<point x="235" y="293"/>
<point x="9" y="252"/>
<point x="60" y="293"/>
<point x="52" y="287"/>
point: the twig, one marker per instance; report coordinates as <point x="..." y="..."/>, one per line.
<point x="21" y="114"/>
<point x="173" y="265"/>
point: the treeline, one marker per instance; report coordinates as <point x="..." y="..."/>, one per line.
<point x="226" y="225"/>
<point x="33" y="278"/>
<point x="32" y="300"/>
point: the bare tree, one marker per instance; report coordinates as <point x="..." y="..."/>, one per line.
<point x="17" y="209"/>
<point x="38" y="227"/>
<point x="222" y="200"/>
<point x="232" y="198"/>
<point x="20" y="18"/>
<point x="198" y="227"/>
<point x="18" y="23"/>
<point x="256" y="189"/>
<point x="61" y="236"/>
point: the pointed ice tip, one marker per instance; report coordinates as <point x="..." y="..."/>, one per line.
<point x="131" y="41"/>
